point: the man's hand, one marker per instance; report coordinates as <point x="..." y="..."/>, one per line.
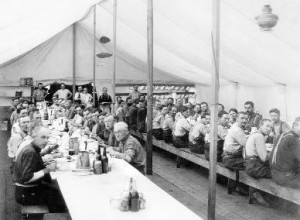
<point x="50" y="168"/>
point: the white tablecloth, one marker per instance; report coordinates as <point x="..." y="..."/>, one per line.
<point x="88" y="197"/>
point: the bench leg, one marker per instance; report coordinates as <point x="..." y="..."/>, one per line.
<point x="231" y="186"/>
<point x="33" y="217"/>
<point x="178" y="162"/>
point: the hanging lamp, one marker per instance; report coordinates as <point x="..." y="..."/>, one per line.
<point x="267" y="20"/>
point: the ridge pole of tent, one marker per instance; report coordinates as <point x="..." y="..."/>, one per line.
<point x="94" y="59"/>
<point x="214" y="109"/>
<point x="74" y="61"/>
<point x="149" y="87"/>
<point x="114" y="57"/>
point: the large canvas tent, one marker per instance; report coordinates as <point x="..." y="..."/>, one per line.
<point x="36" y="41"/>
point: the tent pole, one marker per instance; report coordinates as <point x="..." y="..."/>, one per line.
<point x="114" y="56"/>
<point x="94" y="59"/>
<point x="214" y="109"/>
<point x="149" y="87"/>
<point x="74" y="61"/>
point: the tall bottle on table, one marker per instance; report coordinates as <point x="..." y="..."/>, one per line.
<point x="104" y="161"/>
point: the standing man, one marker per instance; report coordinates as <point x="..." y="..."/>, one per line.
<point x="253" y="118"/>
<point x="39" y="94"/>
<point x="285" y="157"/>
<point x="86" y="98"/>
<point x="135" y="94"/>
<point x="105" y="101"/>
<point x="77" y="97"/>
<point x="170" y="104"/>
<point x="31" y="173"/>
<point x="63" y="93"/>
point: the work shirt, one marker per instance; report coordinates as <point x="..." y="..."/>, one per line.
<point x="256" y="146"/>
<point x="133" y="149"/>
<point x="14" y="142"/>
<point x="222" y="132"/>
<point x="39" y="95"/>
<point x="105" y="98"/>
<point x="29" y="162"/>
<point x="168" y="122"/>
<point x="235" y="139"/>
<point x="86" y="98"/>
<point x="15" y="128"/>
<point x="181" y="126"/>
<point x="78" y="119"/>
<point x="14" y="117"/>
<point x="196" y="130"/>
<point x="286" y="156"/>
<point x="62" y="94"/>
<point x="280" y="127"/>
<point x="253" y="121"/>
<point x="135" y="95"/>
<point x="158" y="121"/>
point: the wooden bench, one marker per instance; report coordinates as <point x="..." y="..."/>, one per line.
<point x="198" y="159"/>
<point x="266" y="185"/>
<point x="36" y="211"/>
<point x="57" y="216"/>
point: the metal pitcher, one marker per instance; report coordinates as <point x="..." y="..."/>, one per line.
<point x="74" y="144"/>
<point x="83" y="160"/>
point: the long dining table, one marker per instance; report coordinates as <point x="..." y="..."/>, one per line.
<point x="90" y="197"/>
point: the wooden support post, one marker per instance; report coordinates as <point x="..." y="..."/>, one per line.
<point x="94" y="59"/>
<point x="114" y="57"/>
<point x="149" y="147"/>
<point x="74" y="61"/>
<point x="214" y="110"/>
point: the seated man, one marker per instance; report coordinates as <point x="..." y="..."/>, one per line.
<point x="22" y="112"/>
<point x="235" y="141"/>
<point x="128" y="148"/>
<point x="16" y="139"/>
<point x="31" y="174"/>
<point x="107" y="134"/>
<point x="197" y="135"/>
<point x="141" y="117"/>
<point x="222" y="132"/>
<point x="181" y="129"/>
<point x="285" y="157"/>
<point x="256" y="155"/>
<point x="168" y="125"/>
<point x="279" y="126"/>
<point x="158" y="122"/>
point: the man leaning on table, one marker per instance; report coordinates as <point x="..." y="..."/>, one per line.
<point x="128" y="148"/>
<point x="33" y="182"/>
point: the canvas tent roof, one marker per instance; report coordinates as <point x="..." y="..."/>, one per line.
<point x="256" y="65"/>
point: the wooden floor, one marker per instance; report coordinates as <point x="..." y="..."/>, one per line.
<point x="187" y="184"/>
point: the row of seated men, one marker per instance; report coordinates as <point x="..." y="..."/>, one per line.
<point x="264" y="147"/>
<point x="30" y="151"/>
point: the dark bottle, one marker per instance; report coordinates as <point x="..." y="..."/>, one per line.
<point x="134" y="196"/>
<point x="104" y="160"/>
<point x="46" y="115"/>
<point x="98" y="152"/>
<point x="66" y="127"/>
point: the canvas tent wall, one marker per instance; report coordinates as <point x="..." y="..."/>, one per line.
<point x="259" y="66"/>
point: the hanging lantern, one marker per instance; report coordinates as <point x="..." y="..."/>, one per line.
<point x="172" y="87"/>
<point x="156" y="87"/>
<point x="162" y="87"/>
<point x="267" y="20"/>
